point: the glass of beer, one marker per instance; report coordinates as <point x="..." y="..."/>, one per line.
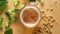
<point x="30" y="16"/>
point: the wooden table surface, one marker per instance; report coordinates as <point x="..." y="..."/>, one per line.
<point x="19" y="28"/>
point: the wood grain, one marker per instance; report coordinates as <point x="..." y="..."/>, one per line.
<point x="19" y="28"/>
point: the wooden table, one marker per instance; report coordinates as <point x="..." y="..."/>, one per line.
<point x="19" y="28"/>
